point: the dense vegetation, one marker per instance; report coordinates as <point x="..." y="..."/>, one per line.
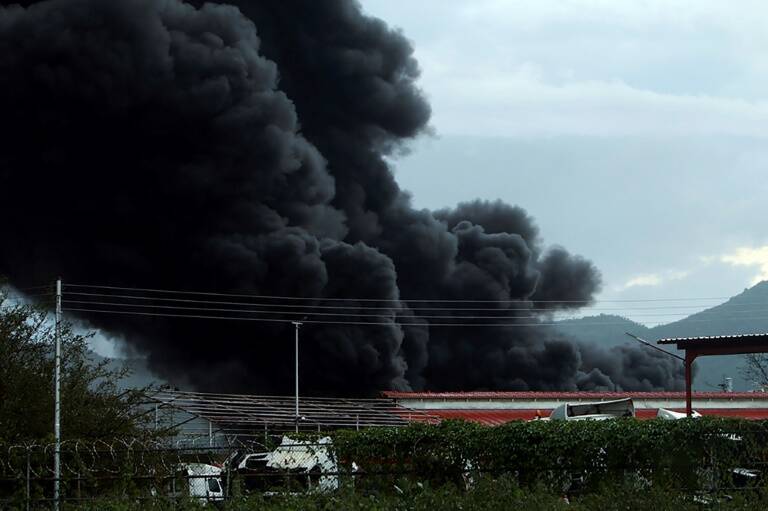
<point x="92" y="404"/>
<point x="488" y="495"/>
<point x="686" y="455"/>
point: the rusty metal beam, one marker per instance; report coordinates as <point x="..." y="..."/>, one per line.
<point x="690" y="356"/>
<point x="712" y="346"/>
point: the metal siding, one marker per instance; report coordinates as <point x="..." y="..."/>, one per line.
<point x="499" y="417"/>
<point x="568" y="396"/>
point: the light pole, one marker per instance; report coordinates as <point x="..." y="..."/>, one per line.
<point x="297" y="325"/>
<point x="57" y="401"/>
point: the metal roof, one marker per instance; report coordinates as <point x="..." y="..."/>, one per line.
<point x="716" y="339"/>
<point x="498" y="417"/>
<point x="489" y="417"/>
<point x="564" y="396"/>
<point x="236" y="413"/>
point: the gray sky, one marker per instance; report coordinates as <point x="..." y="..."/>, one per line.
<point x="633" y="131"/>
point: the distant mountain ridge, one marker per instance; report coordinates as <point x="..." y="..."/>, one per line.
<point x="745" y="313"/>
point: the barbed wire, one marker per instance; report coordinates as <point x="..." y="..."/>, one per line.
<point x="120" y="456"/>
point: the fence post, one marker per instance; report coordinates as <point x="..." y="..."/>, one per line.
<point x="28" y="493"/>
<point x="57" y="402"/>
<point x="228" y="494"/>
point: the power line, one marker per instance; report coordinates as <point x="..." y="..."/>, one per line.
<point x="356" y="314"/>
<point x="295" y="313"/>
<point x="399" y="300"/>
<point x="369" y="307"/>
<point x="208" y="305"/>
<point x="372" y="323"/>
<point x="288" y="321"/>
<point x="306" y="309"/>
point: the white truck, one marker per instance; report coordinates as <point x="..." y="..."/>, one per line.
<point x="293" y="466"/>
<point x="599" y="410"/>
<point x="200" y="482"/>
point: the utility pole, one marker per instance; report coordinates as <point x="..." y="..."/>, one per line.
<point x="297" y="325"/>
<point x="57" y="401"/>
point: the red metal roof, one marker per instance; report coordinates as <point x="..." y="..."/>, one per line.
<point x="489" y="417"/>
<point x="565" y="396"/>
<point x="716" y="338"/>
<point x="498" y="417"/>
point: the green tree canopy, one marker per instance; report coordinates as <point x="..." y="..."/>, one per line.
<point x="93" y="406"/>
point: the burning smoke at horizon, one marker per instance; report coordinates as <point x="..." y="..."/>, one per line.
<point x="242" y="148"/>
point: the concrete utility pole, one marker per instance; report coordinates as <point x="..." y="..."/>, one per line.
<point x="57" y="401"/>
<point x="297" y="324"/>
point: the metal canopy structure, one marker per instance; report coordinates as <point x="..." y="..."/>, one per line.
<point x="239" y="414"/>
<point x="714" y="345"/>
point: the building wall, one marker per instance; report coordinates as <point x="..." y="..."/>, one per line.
<point x="497" y="408"/>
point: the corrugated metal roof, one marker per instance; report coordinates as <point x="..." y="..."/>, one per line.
<point x="499" y="417"/>
<point x="714" y="338"/>
<point x="564" y="396"/>
<point x="489" y="417"/>
<point x="239" y="413"/>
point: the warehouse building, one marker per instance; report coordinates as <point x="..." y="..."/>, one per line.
<point x="199" y="419"/>
<point x="494" y="408"/>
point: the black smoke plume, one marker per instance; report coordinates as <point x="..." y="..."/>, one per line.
<point x="243" y="149"/>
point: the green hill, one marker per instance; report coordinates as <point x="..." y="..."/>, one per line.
<point x="743" y="314"/>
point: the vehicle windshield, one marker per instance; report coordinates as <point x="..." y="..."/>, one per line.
<point x="213" y="485"/>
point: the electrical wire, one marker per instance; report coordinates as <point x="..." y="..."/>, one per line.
<point x="356" y="314"/>
<point x="368" y="307"/>
<point x="373" y="323"/>
<point x="274" y="320"/>
<point x="101" y="299"/>
<point x="427" y="300"/>
<point x="299" y="313"/>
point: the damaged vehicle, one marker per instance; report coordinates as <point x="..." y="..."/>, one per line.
<point x="600" y="410"/>
<point x="294" y="466"/>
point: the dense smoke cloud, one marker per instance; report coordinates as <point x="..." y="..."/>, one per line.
<point x="242" y="148"/>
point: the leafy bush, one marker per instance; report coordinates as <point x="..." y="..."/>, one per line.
<point x="685" y="454"/>
<point x="488" y="494"/>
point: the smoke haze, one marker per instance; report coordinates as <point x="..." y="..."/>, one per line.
<point x="244" y="148"/>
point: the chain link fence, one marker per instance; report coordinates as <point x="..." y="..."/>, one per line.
<point x="139" y="470"/>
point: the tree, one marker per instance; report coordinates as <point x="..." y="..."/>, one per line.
<point x="93" y="407"/>
<point x="756" y="369"/>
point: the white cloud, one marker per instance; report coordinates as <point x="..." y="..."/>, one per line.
<point x="647" y="279"/>
<point x="520" y="103"/>
<point x="654" y="279"/>
<point x="755" y="257"/>
<point x="590" y="67"/>
<point x="596" y="115"/>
